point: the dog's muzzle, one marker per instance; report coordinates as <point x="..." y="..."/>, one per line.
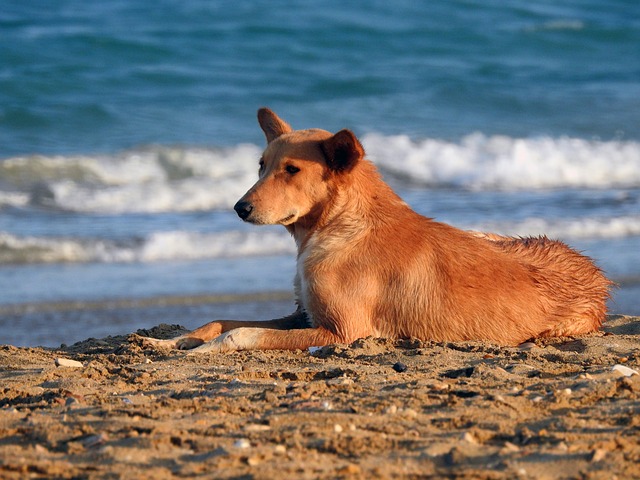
<point x="243" y="209"/>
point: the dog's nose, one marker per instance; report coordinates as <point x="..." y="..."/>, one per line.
<point x="243" y="209"/>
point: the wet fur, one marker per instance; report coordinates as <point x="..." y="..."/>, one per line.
<point x="369" y="265"/>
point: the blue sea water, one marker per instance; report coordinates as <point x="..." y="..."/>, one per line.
<point x="128" y="131"/>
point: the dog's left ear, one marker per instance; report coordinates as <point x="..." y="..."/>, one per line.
<point x="342" y="151"/>
<point x="272" y="125"/>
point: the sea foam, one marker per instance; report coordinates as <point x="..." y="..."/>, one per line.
<point x="165" y="179"/>
<point x="179" y="245"/>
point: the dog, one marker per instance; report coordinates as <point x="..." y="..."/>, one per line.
<point x="368" y="265"/>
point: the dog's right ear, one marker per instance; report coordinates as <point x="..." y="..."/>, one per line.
<point x="272" y="125"/>
<point x="342" y="151"/>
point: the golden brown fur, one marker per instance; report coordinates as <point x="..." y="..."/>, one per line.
<point x="369" y="265"/>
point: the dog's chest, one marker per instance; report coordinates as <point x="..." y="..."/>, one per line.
<point x="303" y="287"/>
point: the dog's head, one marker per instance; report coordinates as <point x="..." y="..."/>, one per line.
<point x="298" y="173"/>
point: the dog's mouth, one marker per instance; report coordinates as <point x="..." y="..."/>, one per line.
<point x="286" y="220"/>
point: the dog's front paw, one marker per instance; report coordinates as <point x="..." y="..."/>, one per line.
<point x="187" y="343"/>
<point x="231" y="341"/>
<point x="152" y="343"/>
<point x="183" y="342"/>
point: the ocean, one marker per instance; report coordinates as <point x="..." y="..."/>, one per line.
<point x="128" y="131"/>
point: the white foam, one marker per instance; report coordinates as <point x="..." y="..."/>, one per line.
<point x="162" y="179"/>
<point x="500" y="162"/>
<point x="577" y="228"/>
<point x="182" y="245"/>
<point x="159" y="246"/>
<point x="146" y="181"/>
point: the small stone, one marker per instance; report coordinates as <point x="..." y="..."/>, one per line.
<point x="340" y="381"/>
<point x="469" y="438"/>
<point x="279" y="449"/>
<point x="567" y="392"/>
<point x="510" y="447"/>
<point x="527" y="346"/>
<point x="41" y="449"/>
<point x="95" y="440"/>
<point x="337" y="428"/>
<point x="326" y="405"/>
<point x="242" y="443"/>
<point x="409" y="413"/>
<point x="257" y="427"/>
<point x="598" y="454"/>
<point x="253" y="461"/>
<point x="66" y="362"/>
<point x="400" y="367"/>
<point x="391" y="410"/>
<point x="351" y="469"/>
<point x="624" y="371"/>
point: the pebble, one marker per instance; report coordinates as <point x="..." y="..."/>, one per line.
<point x="510" y="447"/>
<point x="391" y="410"/>
<point x="351" y="469"/>
<point x="340" y="381"/>
<point x="399" y="367"/>
<point x="469" y="438"/>
<point x="527" y="346"/>
<point x="337" y="428"/>
<point x="598" y="454"/>
<point x="242" y="443"/>
<point x="624" y="371"/>
<point x="279" y="449"/>
<point x="66" y="362"/>
<point x="95" y="440"/>
<point x="409" y="413"/>
<point x="257" y="427"/>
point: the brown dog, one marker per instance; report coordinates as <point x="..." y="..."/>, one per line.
<point x="369" y="265"/>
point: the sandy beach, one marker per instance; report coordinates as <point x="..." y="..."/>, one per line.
<point x="108" y="408"/>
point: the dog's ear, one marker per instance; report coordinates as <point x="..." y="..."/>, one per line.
<point x="272" y="125"/>
<point x="342" y="151"/>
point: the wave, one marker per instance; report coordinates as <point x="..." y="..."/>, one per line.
<point x="570" y="229"/>
<point x="165" y="179"/>
<point x="481" y="162"/>
<point x="157" y="247"/>
<point x="188" y="246"/>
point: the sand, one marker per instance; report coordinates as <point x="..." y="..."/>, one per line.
<point x="562" y="408"/>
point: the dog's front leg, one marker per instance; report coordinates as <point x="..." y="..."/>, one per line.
<point x="248" y="338"/>
<point x="212" y="330"/>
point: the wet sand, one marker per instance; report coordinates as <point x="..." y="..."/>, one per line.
<point x="561" y="408"/>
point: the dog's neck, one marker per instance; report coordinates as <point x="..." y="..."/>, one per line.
<point x="353" y="205"/>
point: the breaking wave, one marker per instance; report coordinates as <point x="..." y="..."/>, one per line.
<point x="173" y="179"/>
<point x="186" y="246"/>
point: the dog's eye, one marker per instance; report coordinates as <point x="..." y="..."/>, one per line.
<point x="291" y="170"/>
<point x="261" y="165"/>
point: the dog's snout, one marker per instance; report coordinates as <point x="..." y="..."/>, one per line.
<point x="243" y="209"/>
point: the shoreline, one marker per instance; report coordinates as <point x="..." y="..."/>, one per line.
<point x="54" y="323"/>
<point x="560" y="408"/>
